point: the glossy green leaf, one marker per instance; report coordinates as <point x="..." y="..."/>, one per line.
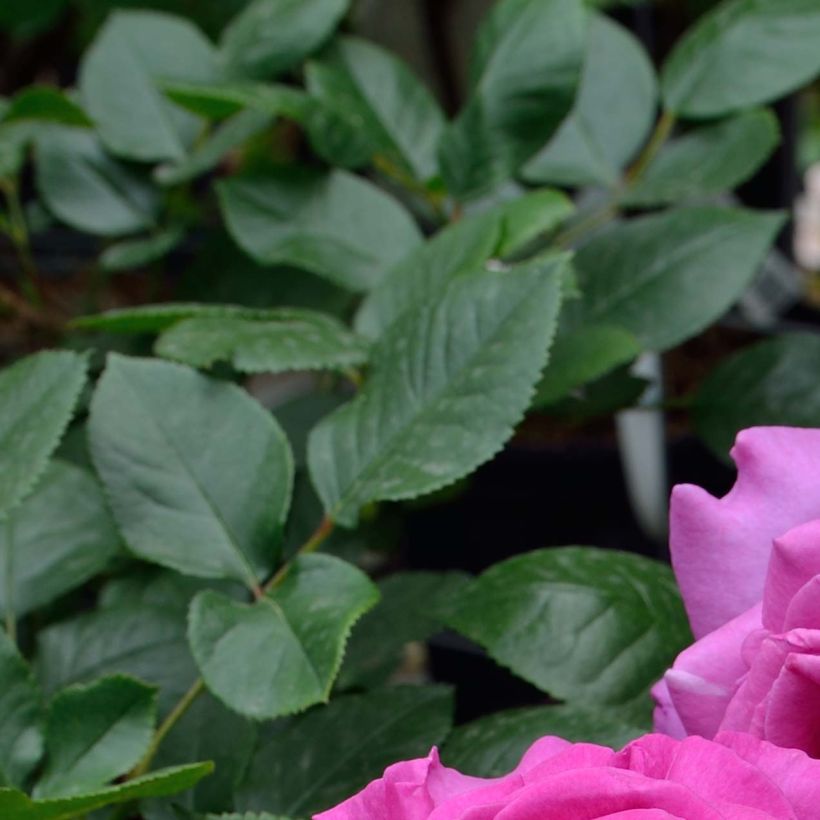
<point x="144" y="640"/>
<point x="88" y="190"/>
<point x="15" y="804"/>
<point x="21" y="716"/>
<point x="44" y="102"/>
<point x="270" y="36"/>
<point x="664" y="278"/>
<point x="334" y="136"/>
<point x="198" y="474"/>
<point x="610" y="622"/>
<point x="493" y="745"/>
<point x="708" y="160"/>
<point x="334" y="225"/>
<point x="207" y="731"/>
<point x="225" y="99"/>
<point x="342" y="746"/>
<point x="413" y="606"/>
<point x="742" y="53"/>
<point x="289" y="340"/>
<point x="136" y="253"/>
<point x="59" y="537"/>
<point x="773" y="382"/>
<point x="226" y="137"/>
<point x="527" y="216"/>
<point x="38" y="395"/>
<point x="94" y="734"/>
<point x="376" y="93"/>
<point x="283" y="653"/>
<point x="157" y="318"/>
<point x="462" y="247"/>
<point x="526" y="67"/>
<point x="613" y="113"/>
<point x="581" y="355"/>
<point x="119" y="78"/>
<point x="450" y="381"/>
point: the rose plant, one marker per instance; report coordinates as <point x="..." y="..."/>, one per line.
<point x="199" y="613"/>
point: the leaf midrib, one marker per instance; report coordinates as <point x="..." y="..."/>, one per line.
<point x="251" y="580"/>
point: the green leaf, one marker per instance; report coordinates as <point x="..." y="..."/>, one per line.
<point x="528" y="216"/>
<point x="335" y="225"/>
<point x="613" y="112"/>
<point x="378" y="96"/>
<point x="493" y="745"/>
<point x="38" y="395"/>
<point x="290" y="339"/>
<point x="207" y="731"/>
<point x="525" y="70"/>
<point x="94" y="734"/>
<point x="283" y="653"/>
<point x="740" y="54"/>
<point x="136" y="253"/>
<point x="773" y="382"/>
<point x="21" y="716"/>
<point x="225" y="99"/>
<point x="334" y="136"/>
<point x="15" y="804"/>
<point x="580" y="356"/>
<point x="198" y="474"/>
<point x="606" y="395"/>
<point x="58" y="538"/>
<point x="119" y="78"/>
<point x="157" y="318"/>
<point x="146" y="641"/>
<point x="609" y="622"/>
<point x="270" y="36"/>
<point x="342" y="747"/>
<point x="664" y="278"/>
<point x="226" y="137"/>
<point x="461" y="247"/>
<point x="708" y="160"/>
<point x="450" y="381"/>
<point x="413" y="606"/>
<point x="88" y="190"/>
<point x="44" y="102"/>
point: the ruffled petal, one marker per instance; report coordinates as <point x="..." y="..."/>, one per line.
<point x="721" y="547"/>
<point x="793" y="713"/>
<point x="705" y="676"/>
<point x="795" y="560"/>
<point x="795" y="773"/>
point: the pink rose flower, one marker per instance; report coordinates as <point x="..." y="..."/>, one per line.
<point x="735" y="777"/>
<point x="748" y="566"/>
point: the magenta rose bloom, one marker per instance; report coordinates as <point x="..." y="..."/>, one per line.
<point x="735" y="777"/>
<point x="748" y="566"/>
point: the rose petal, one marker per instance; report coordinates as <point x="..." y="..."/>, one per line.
<point x="705" y="676"/>
<point x="721" y="547"/>
<point x="793" y="716"/>
<point x="795" y="560"/>
<point x="712" y="771"/>
<point x="665" y="717"/>
<point x="804" y="608"/>
<point x="585" y="794"/>
<point x="795" y="773"/>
